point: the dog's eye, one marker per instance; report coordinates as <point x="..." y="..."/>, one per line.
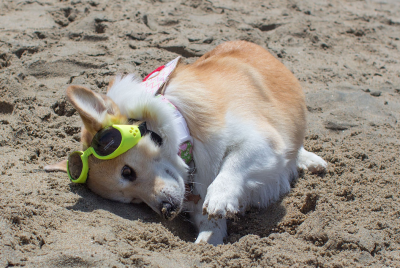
<point x="128" y="173"/>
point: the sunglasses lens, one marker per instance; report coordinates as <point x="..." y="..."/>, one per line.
<point x="75" y="165"/>
<point x="106" y="141"/>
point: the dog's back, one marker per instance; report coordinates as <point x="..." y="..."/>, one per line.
<point x="244" y="80"/>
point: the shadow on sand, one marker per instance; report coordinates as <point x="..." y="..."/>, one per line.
<point x="261" y="222"/>
<point x="90" y="201"/>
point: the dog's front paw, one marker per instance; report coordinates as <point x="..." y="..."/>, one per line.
<point x="220" y="202"/>
<point x="211" y="237"/>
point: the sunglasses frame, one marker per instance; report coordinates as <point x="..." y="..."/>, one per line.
<point x="130" y="136"/>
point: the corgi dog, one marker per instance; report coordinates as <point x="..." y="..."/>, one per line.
<point x="244" y="114"/>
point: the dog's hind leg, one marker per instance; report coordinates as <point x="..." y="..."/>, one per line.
<point x="310" y="161"/>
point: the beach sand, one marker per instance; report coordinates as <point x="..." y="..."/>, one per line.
<point x="346" y="56"/>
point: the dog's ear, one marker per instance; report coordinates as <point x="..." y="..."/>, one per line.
<point x="60" y="166"/>
<point x="96" y="110"/>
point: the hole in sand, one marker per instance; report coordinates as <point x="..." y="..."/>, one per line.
<point x="100" y="28"/>
<point x="268" y="27"/>
<point x="6" y="108"/>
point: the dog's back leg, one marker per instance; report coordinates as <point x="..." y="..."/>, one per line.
<point x="310" y="161"/>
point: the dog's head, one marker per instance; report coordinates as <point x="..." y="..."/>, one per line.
<point x="149" y="172"/>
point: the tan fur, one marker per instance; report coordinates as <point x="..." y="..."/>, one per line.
<point x="110" y="84"/>
<point x="103" y="170"/>
<point x="108" y="168"/>
<point x="86" y="138"/>
<point x="241" y="71"/>
<point x="91" y="125"/>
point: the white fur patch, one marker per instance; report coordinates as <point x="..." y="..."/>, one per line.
<point x="135" y="102"/>
<point x="310" y="161"/>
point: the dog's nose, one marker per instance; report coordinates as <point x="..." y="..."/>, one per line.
<point x="167" y="210"/>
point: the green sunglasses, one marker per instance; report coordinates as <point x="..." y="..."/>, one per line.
<point x="108" y="143"/>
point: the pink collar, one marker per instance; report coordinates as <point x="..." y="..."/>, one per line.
<point x="155" y="83"/>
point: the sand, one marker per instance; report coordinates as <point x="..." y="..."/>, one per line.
<point x="346" y="56"/>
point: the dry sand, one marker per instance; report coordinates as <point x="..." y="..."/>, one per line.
<point x="346" y="55"/>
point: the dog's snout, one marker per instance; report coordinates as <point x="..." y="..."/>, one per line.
<point x="168" y="210"/>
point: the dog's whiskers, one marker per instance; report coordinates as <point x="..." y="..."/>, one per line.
<point x="186" y="219"/>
